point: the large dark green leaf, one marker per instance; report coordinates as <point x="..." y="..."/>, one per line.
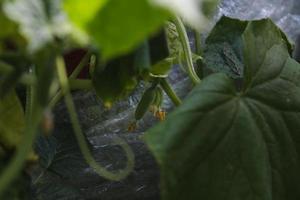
<point x="224" y="47"/>
<point x="117" y="26"/>
<point x="224" y="144"/>
<point x="223" y="51"/>
<point x="52" y="188"/>
<point x="45" y="147"/>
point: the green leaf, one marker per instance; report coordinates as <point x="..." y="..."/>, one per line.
<point x="162" y="67"/>
<point x="174" y="44"/>
<point x="117" y="26"/>
<point x="224" y="47"/>
<point x="209" y="7"/>
<point x="118" y="77"/>
<point x="7" y="26"/>
<point x="12" y="121"/>
<point x="88" y="9"/>
<point x="45" y="147"/>
<point x="40" y="21"/>
<point x="52" y="187"/>
<point x="225" y="144"/>
<point x="115" y="79"/>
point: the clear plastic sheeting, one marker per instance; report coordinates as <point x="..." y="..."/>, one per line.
<point x="290" y="24"/>
<point x="285" y="13"/>
<point x="101" y="125"/>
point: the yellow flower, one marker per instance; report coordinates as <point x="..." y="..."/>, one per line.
<point x="131" y="127"/>
<point x="161" y="115"/>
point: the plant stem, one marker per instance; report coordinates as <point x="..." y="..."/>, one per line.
<point x="198" y="43"/>
<point x="102" y="171"/>
<point x="33" y="118"/>
<point x="27" y="79"/>
<point x="80" y="84"/>
<point x="81" y="65"/>
<point x="14" y="167"/>
<point x="75" y="84"/>
<point x="198" y="52"/>
<point x="186" y="50"/>
<point x="170" y="92"/>
<point x="29" y="97"/>
<point x="73" y="75"/>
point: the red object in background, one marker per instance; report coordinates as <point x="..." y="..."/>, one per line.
<point x="73" y="58"/>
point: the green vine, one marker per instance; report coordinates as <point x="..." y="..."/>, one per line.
<point x="187" y="52"/>
<point x="170" y="92"/>
<point x="34" y="114"/>
<point x="72" y="78"/>
<point x="80" y="84"/>
<point x="29" y="97"/>
<point x="198" y="52"/>
<point x="65" y="88"/>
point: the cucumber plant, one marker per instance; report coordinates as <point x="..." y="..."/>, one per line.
<point x="236" y="135"/>
<point x="37" y="34"/>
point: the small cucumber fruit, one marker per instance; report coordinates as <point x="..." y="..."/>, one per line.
<point x="145" y="102"/>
